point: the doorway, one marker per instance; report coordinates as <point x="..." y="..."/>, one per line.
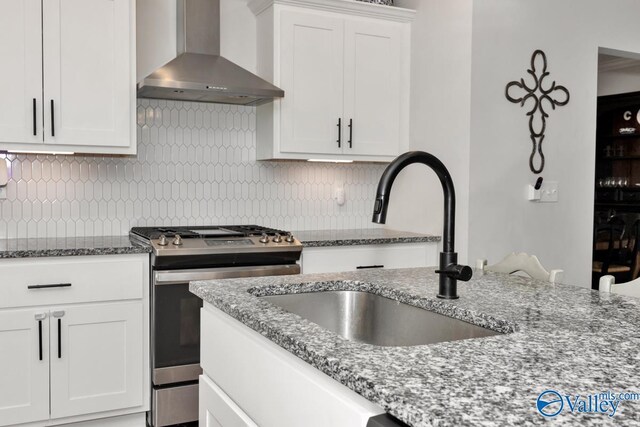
<point x="616" y="228"/>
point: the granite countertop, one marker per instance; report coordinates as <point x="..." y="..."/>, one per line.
<point x="70" y="246"/>
<point x="560" y="337"/>
<point x="367" y="236"/>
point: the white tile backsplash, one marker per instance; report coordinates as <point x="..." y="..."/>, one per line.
<point x="195" y="165"/>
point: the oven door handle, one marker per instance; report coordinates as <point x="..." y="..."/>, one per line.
<point x="173" y="277"/>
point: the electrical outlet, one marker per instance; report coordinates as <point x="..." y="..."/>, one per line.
<point x="549" y="192"/>
<point x="338" y="195"/>
<point x="3" y="193"/>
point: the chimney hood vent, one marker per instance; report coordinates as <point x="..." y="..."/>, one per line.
<point x="199" y="73"/>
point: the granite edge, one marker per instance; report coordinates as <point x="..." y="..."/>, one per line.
<point x="369" y="241"/>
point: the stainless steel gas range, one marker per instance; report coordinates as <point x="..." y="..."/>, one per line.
<point x="184" y="254"/>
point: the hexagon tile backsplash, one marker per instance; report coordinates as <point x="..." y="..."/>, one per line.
<point x="195" y="165"/>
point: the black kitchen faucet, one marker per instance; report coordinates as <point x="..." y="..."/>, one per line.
<point x="450" y="272"/>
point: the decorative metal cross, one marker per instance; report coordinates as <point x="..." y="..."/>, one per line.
<point x="538" y="94"/>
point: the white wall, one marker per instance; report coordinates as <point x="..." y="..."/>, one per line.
<point x="505" y="34"/>
<point x="155" y="35"/>
<point x="440" y="117"/>
<point x="238" y="33"/>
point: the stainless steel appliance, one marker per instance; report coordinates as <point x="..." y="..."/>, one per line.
<point x="199" y="73"/>
<point x="184" y="254"/>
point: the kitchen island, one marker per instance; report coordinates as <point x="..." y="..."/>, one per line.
<point x="553" y="336"/>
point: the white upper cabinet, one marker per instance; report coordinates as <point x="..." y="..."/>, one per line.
<point x="21" y="71"/>
<point x="345" y="70"/>
<point x="373" y="88"/>
<point x="312" y="72"/>
<point x="77" y="60"/>
<point x="88" y="72"/>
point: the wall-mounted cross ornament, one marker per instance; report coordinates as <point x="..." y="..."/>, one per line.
<point x="538" y="94"/>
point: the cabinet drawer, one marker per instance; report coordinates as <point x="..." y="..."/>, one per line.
<point x="350" y="258"/>
<point x="66" y="280"/>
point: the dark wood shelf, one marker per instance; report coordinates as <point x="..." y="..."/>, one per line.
<point x="632" y="187"/>
<point x="621" y="206"/>
<point x="612" y="158"/>
<point x="621" y="136"/>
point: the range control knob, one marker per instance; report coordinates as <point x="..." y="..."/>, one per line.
<point x="264" y="238"/>
<point x="277" y="238"/>
<point x="177" y="241"/>
<point x="162" y="240"/>
<point x="289" y="238"/>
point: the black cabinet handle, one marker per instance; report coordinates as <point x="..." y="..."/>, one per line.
<point x="58" y="315"/>
<point x="350" y="133"/>
<point x="35" y="117"/>
<point x="40" y="318"/>
<point x="53" y="119"/>
<point x="39" y="339"/>
<point x="339" y="132"/>
<point x="59" y="338"/>
<point x="366" y="267"/>
<point x="51" y="285"/>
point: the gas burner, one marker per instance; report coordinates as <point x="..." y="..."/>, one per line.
<point x="215" y="231"/>
<point x="233" y="244"/>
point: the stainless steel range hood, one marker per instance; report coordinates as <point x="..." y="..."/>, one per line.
<point x="199" y="73"/>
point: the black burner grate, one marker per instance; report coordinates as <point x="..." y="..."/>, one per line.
<point x="224" y="231"/>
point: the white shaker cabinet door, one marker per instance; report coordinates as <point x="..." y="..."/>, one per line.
<point x="312" y="77"/>
<point x="89" y="72"/>
<point x="24" y="366"/>
<point x="96" y="358"/>
<point x="374" y="80"/>
<point x="21" y="75"/>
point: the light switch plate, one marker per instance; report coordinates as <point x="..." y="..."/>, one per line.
<point x="549" y="192"/>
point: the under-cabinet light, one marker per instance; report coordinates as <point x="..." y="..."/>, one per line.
<point x="329" y="161"/>
<point x="55" y="153"/>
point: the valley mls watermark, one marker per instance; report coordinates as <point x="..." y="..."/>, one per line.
<point x="551" y="403"/>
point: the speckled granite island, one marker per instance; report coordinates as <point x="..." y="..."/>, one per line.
<point x="558" y="337"/>
<point x="366" y="236"/>
<point x="70" y="246"/>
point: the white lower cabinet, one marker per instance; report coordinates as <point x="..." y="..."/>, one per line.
<point x="217" y="409"/>
<point x="71" y="361"/>
<point x="99" y="363"/>
<point x="24" y="366"/>
<point x="248" y="380"/>
<point x="334" y="259"/>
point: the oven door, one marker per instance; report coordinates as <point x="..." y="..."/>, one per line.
<point x="175" y="338"/>
<point x="176" y="318"/>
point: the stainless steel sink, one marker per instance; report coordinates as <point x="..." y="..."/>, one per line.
<point x="373" y="319"/>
